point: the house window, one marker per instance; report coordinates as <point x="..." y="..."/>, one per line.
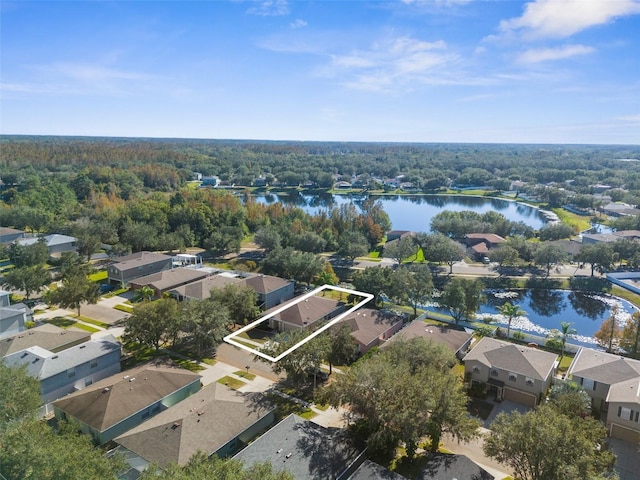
<point x="588" y="384"/>
<point x="625" y="413"/>
<point x="513" y="377"/>
<point x="71" y="372"/>
<point x="494" y="372"/>
<point x="529" y="382"/>
<point x="476" y="369"/>
<point x="88" y="381"/>
<point x="94" y="363"/>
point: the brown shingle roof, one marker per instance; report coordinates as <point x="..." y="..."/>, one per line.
<point x="168" y="279"/>
<point x="450" y="337"/>
<point x="113" y="399"/>
<point x="264" y="284"/>
<point x="368" y="324"/>
<point x="307" y="311"/>
<point x="201" y="289"/>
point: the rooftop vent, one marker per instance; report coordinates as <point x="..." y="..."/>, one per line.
<point x="288" y="455"/>
<point x="105" y="389"/>
<point x="132" y="379"/>
<point x="83" y="346"/>
<point x="55" y="356"/>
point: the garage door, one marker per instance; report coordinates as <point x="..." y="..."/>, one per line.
<point x="626" y="434"/>
<point x="517" y="396"/>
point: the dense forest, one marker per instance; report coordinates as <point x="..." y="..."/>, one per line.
<point x="134" y="194"/>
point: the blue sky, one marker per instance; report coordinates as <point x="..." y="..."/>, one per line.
<point x="542" y="71"/>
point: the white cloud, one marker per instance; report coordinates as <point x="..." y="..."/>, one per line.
<point x="563" y="18"/>
<point x="89" y="73"/>
<point x="536" y="55"/>
<point x="393" y="62"/>
<point x="270" y="8"/>
<point x="298" y="23"/>
<point x="444" y="3"/>
<point x="630" y="118"/>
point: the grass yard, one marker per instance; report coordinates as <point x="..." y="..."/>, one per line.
<point x="187" y="364"/>
<point x="124" y="308"/>
<point x="232" y="383"/>
<point x="61" y="322"/>
<point x="285" y="407"/>
<point x="98" y="276"/>
<point x="565" y="363"/>
<point x="245" y="374"/>
<point x="578" y="222"/>
<point x="92" y="321"/>
<point x="86" y="328"/>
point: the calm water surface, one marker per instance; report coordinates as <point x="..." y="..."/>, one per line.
<point x="546" y="309"/>
<point x="415" y="212"/>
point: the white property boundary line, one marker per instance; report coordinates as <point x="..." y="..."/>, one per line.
<point x="229" y="338"/>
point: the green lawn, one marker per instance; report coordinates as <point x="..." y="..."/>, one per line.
<point x="187" y="364"/>
<point x="98" y="276"/>
<point x="232" y="383"/>
<point x="61" y="322"/>
<point x="92" y="321"/>
<point x="86" y="328"/>
<point x="245" y="374"/>
<point x="286" y="407"/>
<point x="124" y="308"/>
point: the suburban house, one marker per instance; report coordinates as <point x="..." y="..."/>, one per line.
<point x="613" y="383"/>
<point x="481" y="243"/>
<point x="620" y="210"/>
<point x="47" y="336"/>
<point x="271" y="290"/>
<point x="298" y="315"/>
<point x="56" y="243"/>
<point x="216" y="420"/>
<point x="201" y="289"/>
<point x="168" y="280"/>
<point x="136" y="265"/>
<point x="370" y="328"/>
<point x="305" y="449"/>
<point x="109" y="408"/>
<point x="510" y="372"/>
<point x="8" y="235"/>
<point x="69" y="370"/>
<point x="210" y="181"/>
<point x="398" y="234"/>
<point x="456" y="340"/>
<point x="13" y="318"/>
<point x="446" y="465"/>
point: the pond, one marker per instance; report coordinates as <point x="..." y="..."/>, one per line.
<point x="546" y="309"/>
<point x="414" y="212"/>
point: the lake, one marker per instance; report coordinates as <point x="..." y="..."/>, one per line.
<point x="546" y="309"/>
<point x="414" y="212"/>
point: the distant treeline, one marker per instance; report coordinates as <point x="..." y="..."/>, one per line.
<point x="167" y="163"/>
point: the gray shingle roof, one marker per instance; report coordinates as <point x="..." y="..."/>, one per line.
<point x="205" y="421"/>
<point x="603" y="367"/>
<point x="372" y="471"/>
<point x="527" y="361"/>
<point x="304" y="448"/>
<point x="139" y="259"/>
<point x="43" y="364"/>
<point x="442" y="466"/>
<point x="264" y="284"/>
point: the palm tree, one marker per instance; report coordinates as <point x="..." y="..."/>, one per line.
<point x="511" y="311"/>
<point x="565" y="331"/>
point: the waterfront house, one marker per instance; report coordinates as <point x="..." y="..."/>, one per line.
<point x="613" y="383"/>
<point x="509" y="371"/>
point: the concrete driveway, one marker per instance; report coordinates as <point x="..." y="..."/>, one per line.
<point x="628" y="464"/>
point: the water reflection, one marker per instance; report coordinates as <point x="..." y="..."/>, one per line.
<point x="587" y="306"/>
<point x="546" y="302"/>
<point x="413" y="212"/>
